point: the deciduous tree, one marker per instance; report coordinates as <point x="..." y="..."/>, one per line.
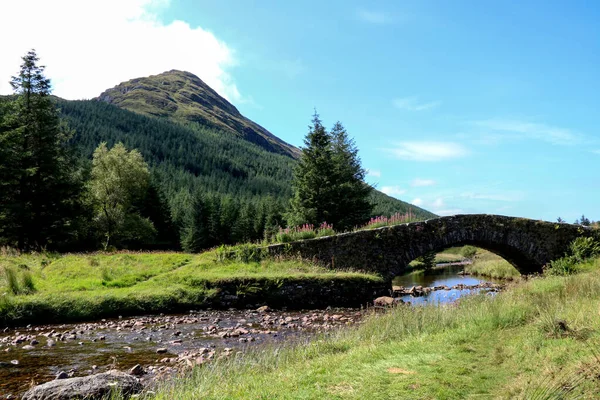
<point x="119" y="179"/>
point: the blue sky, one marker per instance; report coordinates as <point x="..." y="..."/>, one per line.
<point x="457" y="106"/>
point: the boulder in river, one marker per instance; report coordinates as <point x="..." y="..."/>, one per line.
<point x="383" y="301"/>
<point x="89" y="387"/>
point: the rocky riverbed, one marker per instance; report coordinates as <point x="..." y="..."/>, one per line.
<point x="149" y="347"/>
<point x="152" y="348"/>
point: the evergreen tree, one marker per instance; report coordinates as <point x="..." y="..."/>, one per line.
<point x="584" y="221"/>
<point x="40" y="193"/>
<point x="314" y="197"/>
<point x="329" y="180"/>
<point x="353" y="203"/>
<point x="192" y="218"/>
<point x="155" y="207"/>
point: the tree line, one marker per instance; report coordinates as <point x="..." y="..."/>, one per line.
<point x="70" y="180"/>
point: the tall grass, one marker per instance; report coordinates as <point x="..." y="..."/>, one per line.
<point x="11" y="278"/>
<point x="496" y="347"/>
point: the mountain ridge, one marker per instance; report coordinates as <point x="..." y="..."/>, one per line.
<point x="183" y="97"/>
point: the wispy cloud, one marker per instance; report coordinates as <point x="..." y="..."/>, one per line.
<point x="393" y="190"/>
<point x="519" y="129"/>
<point x="427" y="150"/>
<point x="289" y="68"/>
<point x="413" y="104"/>
<point x="507" y="196"/>
<point x="418" y="182"/>
<point x="374" y="173"/>
<point x="437" y="206"/>
<point x="448" y="211"/>
<point x="597" y="151"/>
<point x="374" y="17"/>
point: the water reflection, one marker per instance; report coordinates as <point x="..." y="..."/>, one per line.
<point x="448" y="276"/>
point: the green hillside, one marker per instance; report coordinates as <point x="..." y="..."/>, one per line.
<point x="211" y="179"/>
<point x="195" y="156"/>
<point x="182" y="96"/>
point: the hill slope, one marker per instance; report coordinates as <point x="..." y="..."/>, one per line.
<point x="191" y="156"/>
<point x="183" y="97"/>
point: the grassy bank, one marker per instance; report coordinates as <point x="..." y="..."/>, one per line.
<point x="539" y="339"/>
<point x="44" y="287"/>
<point x="490" y="265"/>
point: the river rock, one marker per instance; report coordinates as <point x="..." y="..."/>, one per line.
<point x="137" y="370"/>
<point x="62" y="375"/>
<point x="89" y="387"/>
<point x="263" y="309"/>
<point x="383" y="301"/>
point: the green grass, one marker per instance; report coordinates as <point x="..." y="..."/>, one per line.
<point x="540" y="339"/>
<point x="86" y="286"/>
<point x="490" y="265"/>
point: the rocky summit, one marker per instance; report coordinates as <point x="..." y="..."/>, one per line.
<point x="182" y="96"/>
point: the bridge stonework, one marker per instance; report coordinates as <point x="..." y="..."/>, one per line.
<point x="527" y="244"/>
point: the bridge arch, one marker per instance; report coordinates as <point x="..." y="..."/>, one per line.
<point x="527" y="244"/>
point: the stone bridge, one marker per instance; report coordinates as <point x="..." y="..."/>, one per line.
<point x="527" y="244"/>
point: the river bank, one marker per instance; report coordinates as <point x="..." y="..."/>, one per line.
<point x="83" y="287"/>
<point x="538" y="338"/>
<point x="155" y="348"/>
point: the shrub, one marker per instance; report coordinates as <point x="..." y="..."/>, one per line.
<point x="580" y="250"/>
<point x="468" y="251"/>
<point x="561" y="267"/>
<point x="248" y="252"/>
<point x="427" y="260"/>
<point x="584" y="248"/>
<point x="245" y="253"/>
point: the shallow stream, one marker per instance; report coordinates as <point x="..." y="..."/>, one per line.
<point x="167" y="343"/>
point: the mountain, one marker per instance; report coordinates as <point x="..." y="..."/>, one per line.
<point x="217" y="177"/>
<point x="183" y="97"/>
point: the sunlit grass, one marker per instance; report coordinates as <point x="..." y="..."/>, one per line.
<point x="84" y="286"/>
<point x="535" y="340"/>
<point x="490" y="265"/>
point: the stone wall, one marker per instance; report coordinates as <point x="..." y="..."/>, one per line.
<point x="527" y="244"/>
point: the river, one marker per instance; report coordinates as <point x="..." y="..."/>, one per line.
<point x="166" y="343"/>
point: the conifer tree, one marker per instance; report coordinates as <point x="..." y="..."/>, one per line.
<point x="351" y="191"/>
<point x="329" y="180"/>
<point x="314" y="198"/>
<point x="40" y="194"/>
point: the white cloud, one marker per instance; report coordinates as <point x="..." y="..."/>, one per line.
<point x="437" y="206"/>
<point x="374" y="173"/>
<point x="393" y="190"/>
<point x="374" y="17"/>
<point x="89" y="46"/>
<point x="413" y="104"/>
<point x="596" y="151"/>
<point x="428" y="151"/>
<point x="418" y="182"/>
<point x="449" y="211"/>
<point x="507" y="196"/>
<point x="438" y="203"/>
<point x="512" y="129"/>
